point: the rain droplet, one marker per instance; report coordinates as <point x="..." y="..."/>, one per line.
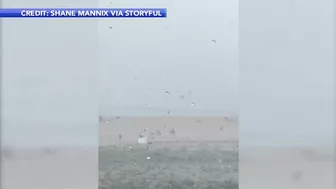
<point x="181" y="97"/>
<point x="118" y="117"/>
<point x="168" y="112"/>
<point x="107" y="121"/>
<point x="192" y="104"/>
<point x="214" y="41"/>
<point x="148" y="158"/>
<point x="146" y="129"/>
<point x="167" y="92"/>
<point x="130" y="147"/>
<point x="110" y="27"/>
<point x="198" y="122"/>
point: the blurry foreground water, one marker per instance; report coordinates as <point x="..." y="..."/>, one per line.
<point x="168" y="166"/>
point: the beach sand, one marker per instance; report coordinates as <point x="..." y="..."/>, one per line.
<point x="186" y="129"/>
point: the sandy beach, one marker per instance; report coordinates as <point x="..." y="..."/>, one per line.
<point x="186" y="129"/>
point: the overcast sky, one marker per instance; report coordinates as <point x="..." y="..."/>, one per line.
<point x="59" y="75"/>
<point x="194" y="51"/>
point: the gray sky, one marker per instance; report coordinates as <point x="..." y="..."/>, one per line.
<point x="141" y="59"/>
<point x="59" y="74"/>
